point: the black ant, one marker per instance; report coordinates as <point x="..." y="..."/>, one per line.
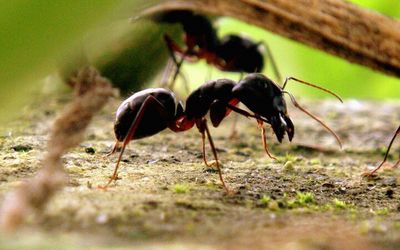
<point x="150" y="111"/>
<point x="231" y="53"/>
<point x="368" y="174"/>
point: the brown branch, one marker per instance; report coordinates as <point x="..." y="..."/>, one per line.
<point x="91" y="93"/>
<point x="334" y="26"/>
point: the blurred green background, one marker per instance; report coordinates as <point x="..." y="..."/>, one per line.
<point x="35" y="34"/>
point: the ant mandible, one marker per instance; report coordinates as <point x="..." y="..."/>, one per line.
<point x="231" y="53"/>
<point x="150" y="111"/>
<point x="368" y="174"/>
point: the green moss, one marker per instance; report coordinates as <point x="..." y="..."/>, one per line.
<point x="305" y="198"/>
<point x="288" y="167"/>
<point x="265" y="199"/>
<point x="315" y="161"/>
<point x="382" y="211"/>
<point x="180" y="188"/>
<point x="338" y="204"/>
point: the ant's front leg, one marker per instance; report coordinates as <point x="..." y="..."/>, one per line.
<point x="264" y="139"/>
<point x="203" y="128"/>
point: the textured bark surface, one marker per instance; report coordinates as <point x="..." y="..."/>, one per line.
<point x="342" y="29"/>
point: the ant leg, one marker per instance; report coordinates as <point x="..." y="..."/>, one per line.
<point x="297" y="105"/>
<point x="245" y="113"/>
<point x="264" y="139"/>
<point x="234" y="133"/>
<point x="115" y="148"/>
<point x="273" y="63"/>
<point x="167" y="73"/>
<point x="386" y="155"/>
<point x="131" y="132"/>
<point x="172" y="47"/>
<point x="203" y="139"/>
<point x="204" y="127"/>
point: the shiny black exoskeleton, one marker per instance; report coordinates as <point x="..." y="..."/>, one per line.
<point x="144" y="114"/>
<point x="150" y="111"/>
<point x="265" y="98"/>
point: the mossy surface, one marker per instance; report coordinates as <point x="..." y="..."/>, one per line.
<point x="313" y="196"/>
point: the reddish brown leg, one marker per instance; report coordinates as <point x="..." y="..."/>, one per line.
<point x="167" y="73"/>
<point x="234" y="133"/>
<point x="264" y="139"/>
<point x="115" y="148"/>
<point x="203" y="140"/>
<point x="130" y="135"/>
<point x="386" y="155"/>
<point x="202" y="125"/>
<point x="172" y="48"/>
<point x="245" y="113"/>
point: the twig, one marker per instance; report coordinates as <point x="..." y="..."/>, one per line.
<point x="334" y="26"/>
<point x="91" y="93"/>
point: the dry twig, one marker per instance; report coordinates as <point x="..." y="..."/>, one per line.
<point x="91" y="93"/>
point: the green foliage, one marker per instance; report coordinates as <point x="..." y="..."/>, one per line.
<point x="34" y="34"/>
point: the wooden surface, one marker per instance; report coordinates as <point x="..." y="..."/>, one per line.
<point x="342" y="29"/>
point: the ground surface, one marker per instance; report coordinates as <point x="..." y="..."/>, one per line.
<point x="312" y="197"/>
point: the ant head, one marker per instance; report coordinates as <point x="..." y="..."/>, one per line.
<point x="263" y="97"/>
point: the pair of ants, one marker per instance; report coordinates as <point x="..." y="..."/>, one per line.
<point x="150" y="111"/>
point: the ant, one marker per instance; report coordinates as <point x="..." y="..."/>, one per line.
<point x="150" y="111"/>
<point x="231" y="53"/>
<point x="369" y="174"/>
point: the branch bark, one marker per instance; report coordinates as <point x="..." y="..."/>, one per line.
<point x="334" y="26"/>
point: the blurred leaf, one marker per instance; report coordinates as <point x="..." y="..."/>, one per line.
<point x="34" y="33"/>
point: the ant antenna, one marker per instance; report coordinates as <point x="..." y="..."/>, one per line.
<point x="312" y="85"/>
<point x="297" y="105"/>
<point x="387" y="153"/>
<point x="271" y="58"/>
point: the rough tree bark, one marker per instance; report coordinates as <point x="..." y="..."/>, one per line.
<point x="334" y="26"/>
